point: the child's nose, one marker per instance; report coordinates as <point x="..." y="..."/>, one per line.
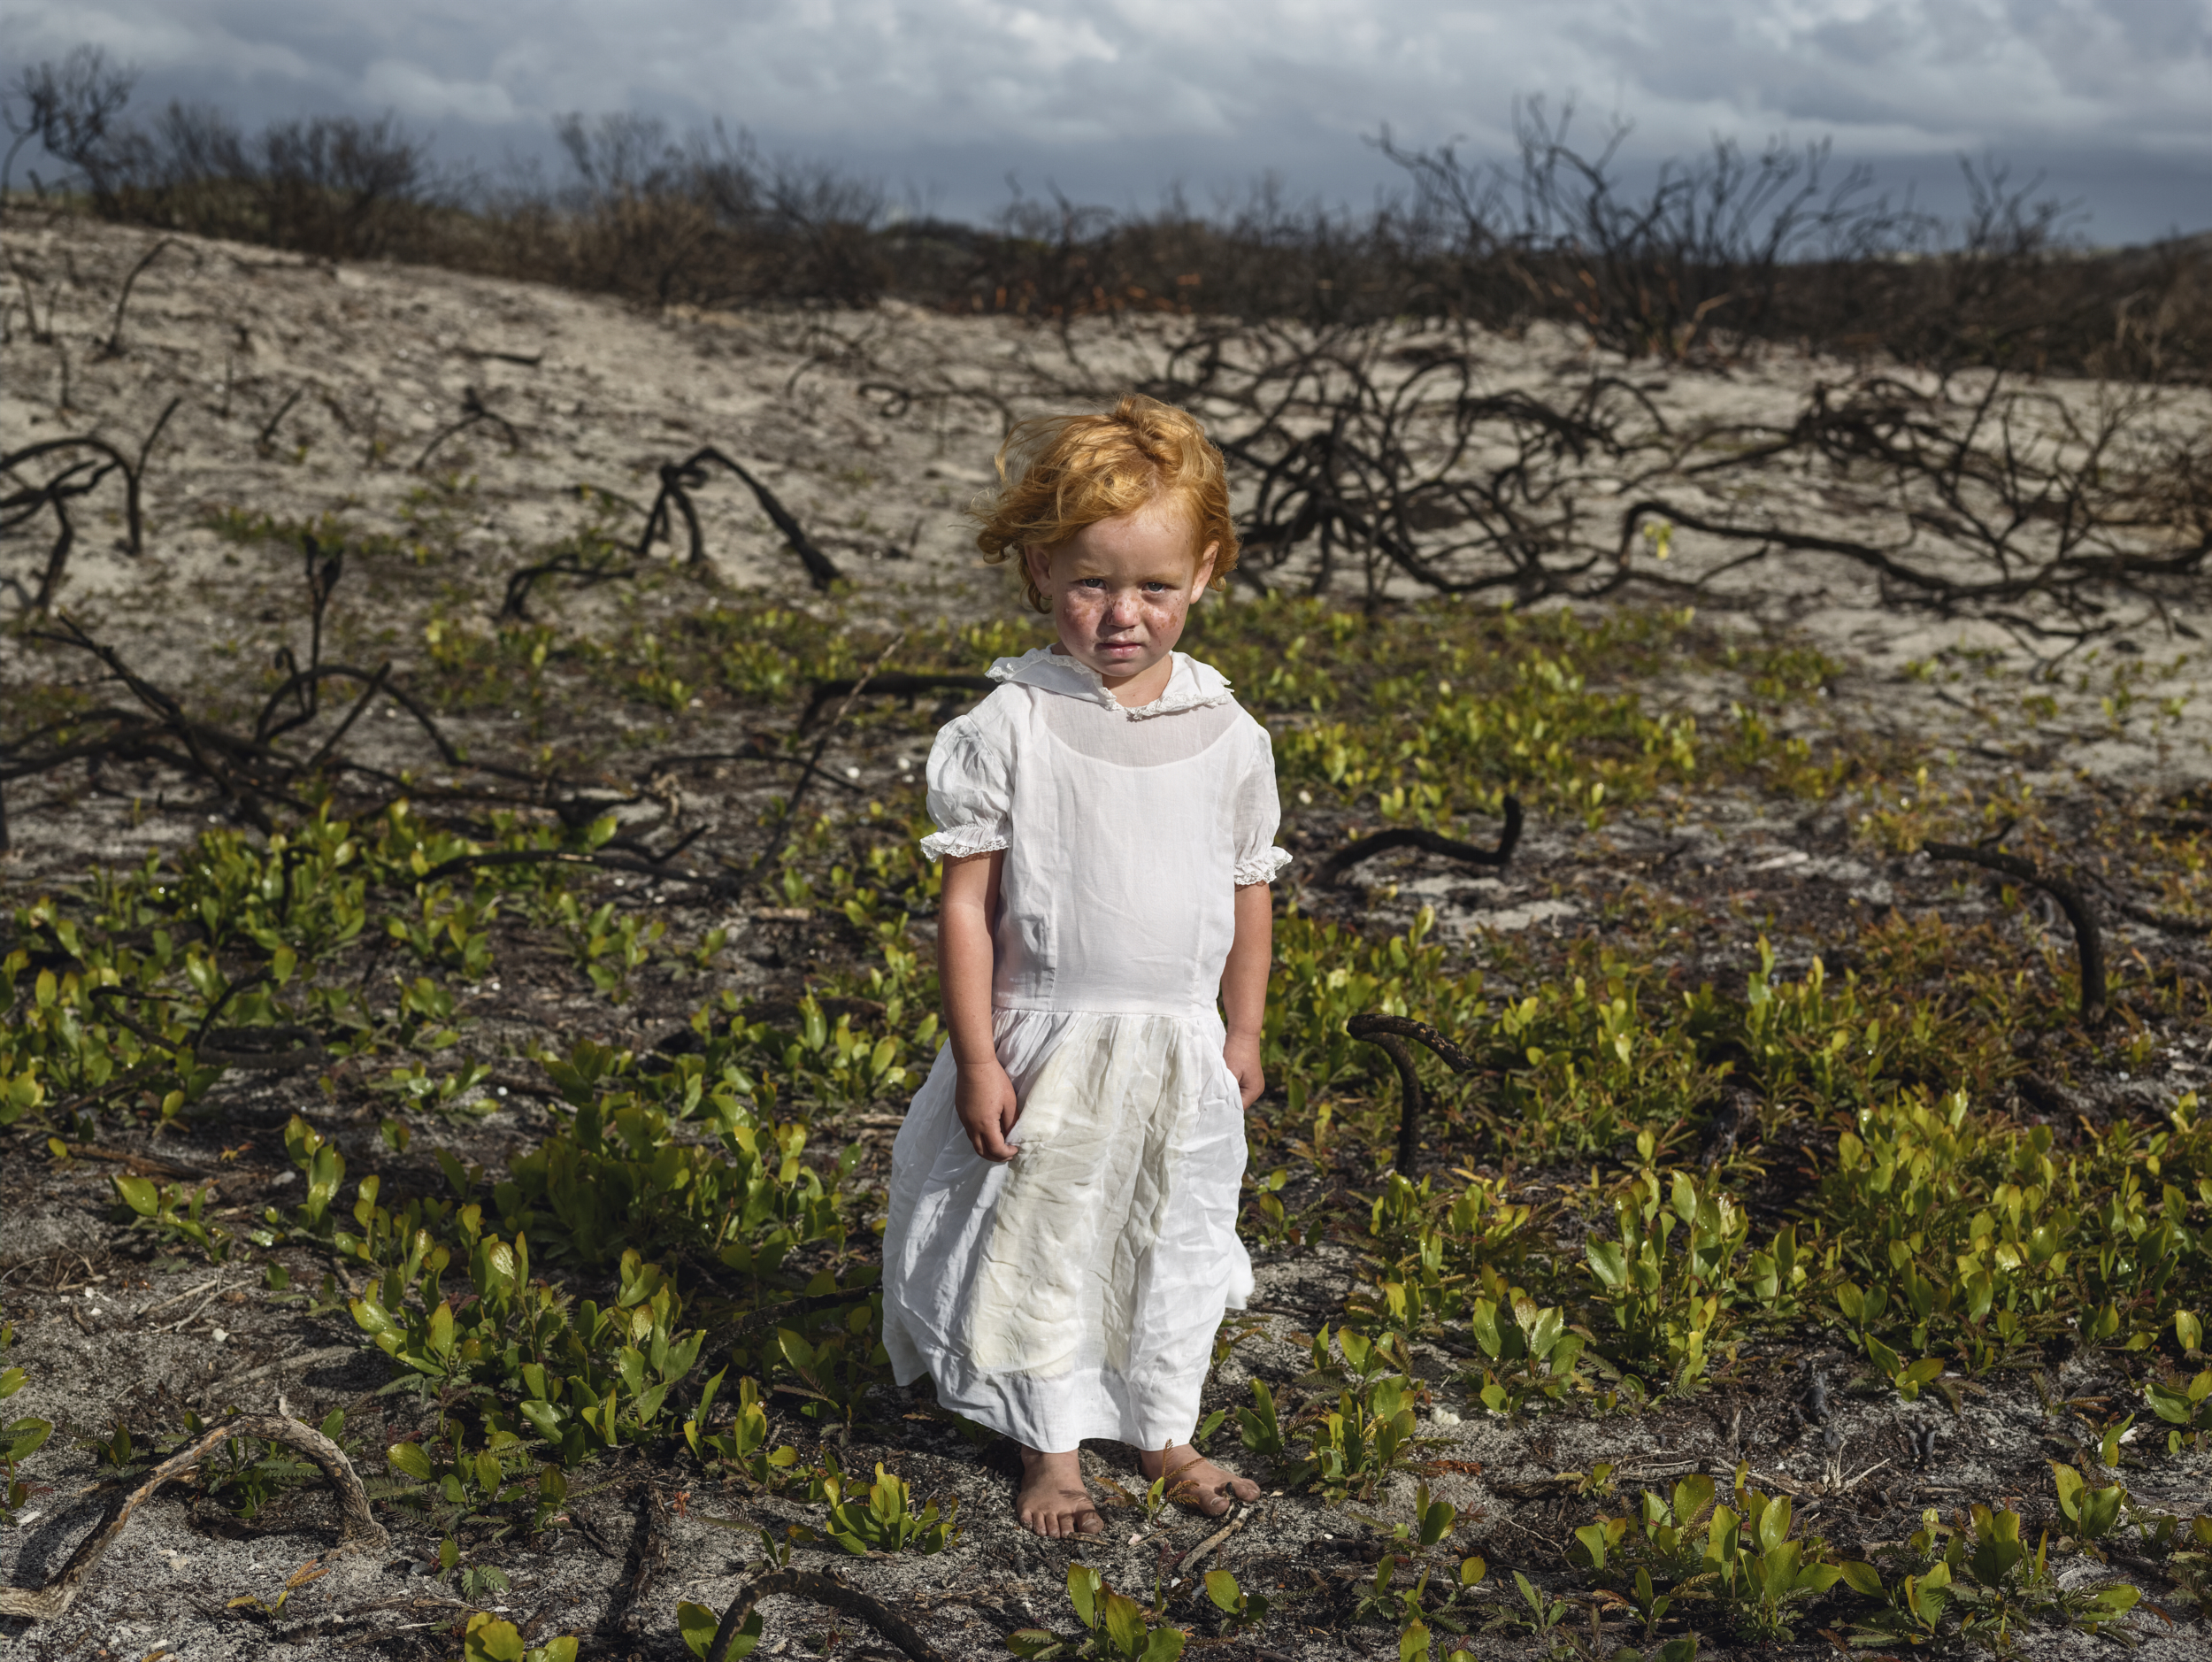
<point x="1121" y="610"/>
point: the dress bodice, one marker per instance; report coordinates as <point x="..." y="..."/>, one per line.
<point x="1127" y="832"/>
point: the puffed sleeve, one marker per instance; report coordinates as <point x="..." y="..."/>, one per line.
<point x="1258" y="814"/>
<point x="971" y="796"/>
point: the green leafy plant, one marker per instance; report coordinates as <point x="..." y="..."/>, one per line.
<point x="488" y="1639"/>
<point x="1240" y="1611"/>
<point x="154" y="1207"/>
<point x="19" y="1439"/>
<point x="1752" y="1563"/>
<point x="1529" y="1351"/>
<point x="1982" y="1574"/>
<point x="1668" y="1308"/>
<point x="2092" y="1510"/>
<point x="1355" y="1446"/>
<point x="886" y="1522"/>
<point x="1908" y="1377"/>
<point x="1258" y="1427"/>
<point x="743" y="1450"/>
<point x="608" y="949"/>
<point x="1444" y="1602"/>
<point x="1114" y="1625"/>
<point x="2186" y="1407"/>
<point x="1539" y="1614"/>
<point x="698" y="1625"/>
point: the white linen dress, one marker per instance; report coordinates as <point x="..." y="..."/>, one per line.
<point x="1073" y="1292"/>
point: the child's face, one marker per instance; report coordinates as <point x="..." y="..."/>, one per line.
<point x="1120" y="589"/>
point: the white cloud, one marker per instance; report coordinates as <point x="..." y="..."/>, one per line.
<point x="414" y="91"/>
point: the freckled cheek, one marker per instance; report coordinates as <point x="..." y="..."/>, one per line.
<point x="1079" y="610"/>
<point x="1163" y="617"/>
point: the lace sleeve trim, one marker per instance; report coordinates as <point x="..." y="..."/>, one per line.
<point x="961" y="841"/>
<point x="1262" y="868"/>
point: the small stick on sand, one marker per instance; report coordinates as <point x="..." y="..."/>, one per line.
<point x="361" y="1532"/>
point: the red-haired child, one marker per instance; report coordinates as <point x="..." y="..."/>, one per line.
<point x="1061" y="1236"/>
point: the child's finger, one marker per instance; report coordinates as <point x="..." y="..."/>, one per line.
<point x="990" y="1141"/>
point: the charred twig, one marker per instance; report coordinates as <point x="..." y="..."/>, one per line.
<point x="1416" y="837"/>
<point x="814" y="761"/>
<point x="650" y="1549"/>
<point x="643" y="865"/>
<point x="473" y="409"/>
<point x="113" y="347"/>
<point x="26" y="503"/>
<point x="139" y="1165"/>
<point x="252" y="1049"/>
<point x="588" y="569"/>
<point x="695" y="758"/>
<point x="1389" y="1033"/>
<point x="2088" y="939"/>
<point x="2165" y="922"/>
<point x="235" y="786"/>
<point x="375" y="685"/>
<point x="2041" y="502"/>
<point x="265" y="439"/>
<point x="823" y="1589"/>
<point x="894" y="684"/>
<point x="322" y="581"/>
<point x="1426" y="475"/>
<point x="679" y="480"/>
<point x="359" y="1531"/>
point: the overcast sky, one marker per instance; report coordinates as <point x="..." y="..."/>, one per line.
<point x="1116" y="100"/>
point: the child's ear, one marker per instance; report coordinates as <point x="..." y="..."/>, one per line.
<point x="1039" y="561"/>
<point x="1204" y="574"/>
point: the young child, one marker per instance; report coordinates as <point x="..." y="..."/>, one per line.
<point x="1061" y="1234"/>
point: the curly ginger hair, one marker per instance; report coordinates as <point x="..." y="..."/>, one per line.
<point x="1059" y="474"/>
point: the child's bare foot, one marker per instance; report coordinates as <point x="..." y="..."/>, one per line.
<point x="1053" y="1500"/>
<point x="1194" y="1480"/>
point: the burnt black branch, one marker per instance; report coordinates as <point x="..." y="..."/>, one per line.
<point x="891" y="684"/>
<point x="79" y="478"/>
<point x="679" y="480"/>
<point x="2088" y="938"/>
<point x="1389" y="1033"/>
<point x="1433" y="842"/>
<point x="473" y="409"/>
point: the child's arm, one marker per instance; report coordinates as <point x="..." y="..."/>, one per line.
<point x="983" y="1095"/>
<point x="1244" y="987"/>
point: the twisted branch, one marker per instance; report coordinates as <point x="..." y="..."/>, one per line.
<point x="1415" y="837"/>
<point x="359" y="1531"/>
<point x="2088" y="939"/>
<point x="823" y="1589"/>
<point x="1388" y="1035"/>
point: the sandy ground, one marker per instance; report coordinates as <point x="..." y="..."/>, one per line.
<point x="874" y="430"/>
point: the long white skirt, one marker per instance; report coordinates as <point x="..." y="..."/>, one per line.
<point x="1074" y="1292"/>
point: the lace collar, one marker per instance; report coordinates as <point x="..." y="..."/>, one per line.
<point x="1191" y="685"/>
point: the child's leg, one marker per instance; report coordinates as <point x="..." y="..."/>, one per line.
<point x="1193" y="1479"/>
<point x="1053" y="1500"/>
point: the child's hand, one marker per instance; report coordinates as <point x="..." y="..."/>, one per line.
<point x="1242" y="1054"/>
<point x="984" y="1098"/>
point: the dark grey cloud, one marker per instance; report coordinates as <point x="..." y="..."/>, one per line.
<point x="1118" y="99"/>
